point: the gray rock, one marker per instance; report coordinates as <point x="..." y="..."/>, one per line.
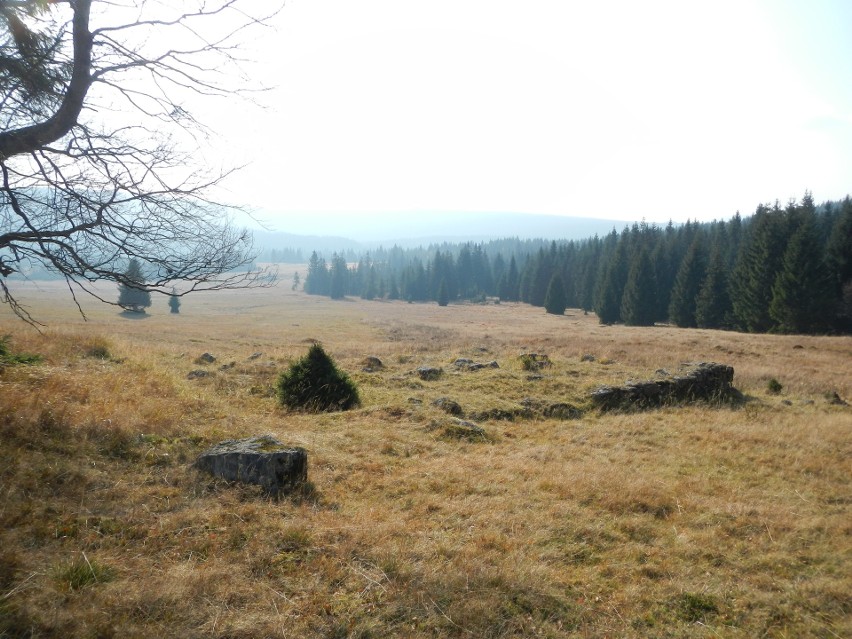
<point x="255" y="356"/>
<point x="448" y="406"/>
<point x="261" y="460"/>
<point x="588" y="358"/>
<point x="461" y="429"/>
<point x="371" y="364"/>
<point x="429" y="373"/>
<point x="198" y="374"/>
<point x="563" y="411"/>
<point x="205" y="358"/>
<point x="470" y="365"/>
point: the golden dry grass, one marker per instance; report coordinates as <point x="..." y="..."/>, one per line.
<point x="681" y="522"/>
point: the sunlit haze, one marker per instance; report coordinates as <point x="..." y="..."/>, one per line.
<point x="619" y="110"/>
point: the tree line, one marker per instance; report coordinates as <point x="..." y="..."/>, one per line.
<point x="784" y="269"/>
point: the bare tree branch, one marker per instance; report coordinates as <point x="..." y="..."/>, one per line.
<point x="92" y="119"/>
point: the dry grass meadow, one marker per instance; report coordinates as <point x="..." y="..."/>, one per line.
<point x="680" y="522"/>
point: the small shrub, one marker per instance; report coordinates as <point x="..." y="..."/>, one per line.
<point x="315" y="384"/>
<point x="535" y="361"/>
<point x="773" y="386"/>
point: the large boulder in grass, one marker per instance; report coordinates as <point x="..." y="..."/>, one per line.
<point x="701" y="381"/>
<point x="261" y="460"/>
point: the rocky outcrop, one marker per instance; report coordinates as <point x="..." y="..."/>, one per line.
<point x="463" y="363"/>
<point x="259" y="460"/>
<point x="429" y="373"/>
<point x="702" y="381"/>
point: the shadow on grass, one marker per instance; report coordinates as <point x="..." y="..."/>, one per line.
<point x="134" y="315"/>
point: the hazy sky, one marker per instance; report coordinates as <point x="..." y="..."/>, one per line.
<point x="614" y="109"/>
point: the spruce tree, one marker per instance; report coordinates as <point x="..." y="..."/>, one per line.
<point x="338" y="277"/>
<point x="756" y="269"/>
<point x="713" y="305"/>
<point x="513" y="281"/>
<point x="443" y="271"/>
<point x="554" y="300"/>
<point x="174" y="303"/>
<point x="803" y="296"/>
<point x="370" y="286"/>
<point x="839" y="261"/>
<point x="687" y="285"/>
<point x="498" y="272"/>
<point x="393" y="289"/>
<point x="611" y="286"/>
<point x="443" y="293"/>
<point x="542" y="274"/>
<point x="638" y="303"/>
<point x="317" y="280"/>
<point x="130" y="297"/>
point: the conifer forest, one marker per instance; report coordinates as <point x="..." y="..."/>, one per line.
<point x="785" y="269"/>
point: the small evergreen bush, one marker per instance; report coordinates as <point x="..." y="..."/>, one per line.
<point x="315" y="384"/>
<point x="174" y="302"/>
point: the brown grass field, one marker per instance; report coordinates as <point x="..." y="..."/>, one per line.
<point x="688" y="521"/>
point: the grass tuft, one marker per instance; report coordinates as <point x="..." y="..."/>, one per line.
<point x="81" y="572"/>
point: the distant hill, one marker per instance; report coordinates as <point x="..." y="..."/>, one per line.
<point x="354" y="231"/>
